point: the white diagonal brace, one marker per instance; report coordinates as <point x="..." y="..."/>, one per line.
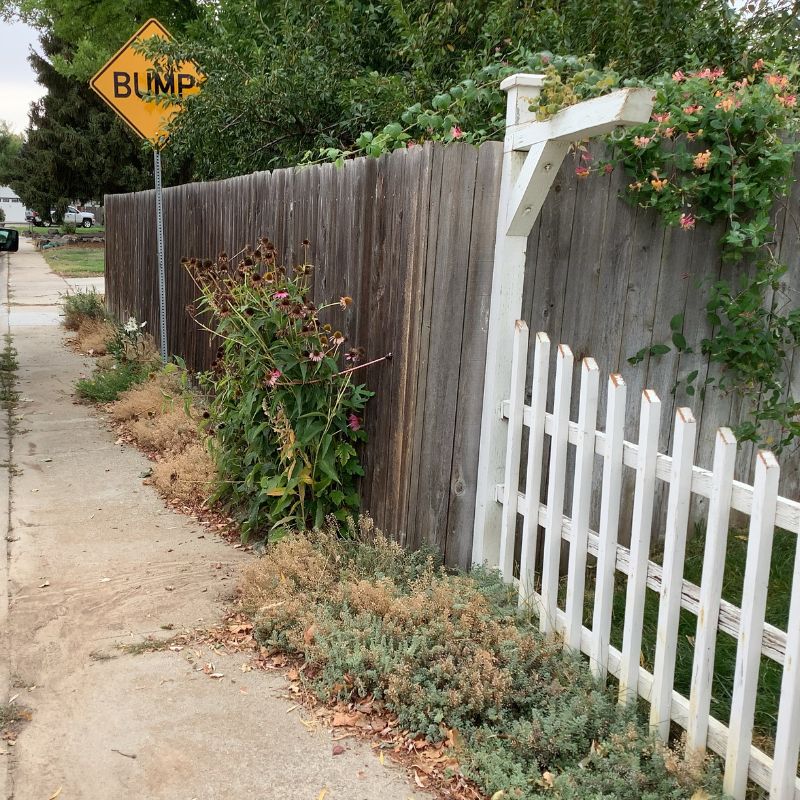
<point x="532" y="185"/>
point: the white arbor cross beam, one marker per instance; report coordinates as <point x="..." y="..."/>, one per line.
<point x="532" y="154"/>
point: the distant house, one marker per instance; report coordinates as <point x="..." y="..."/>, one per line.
<point x="12" y="205"/>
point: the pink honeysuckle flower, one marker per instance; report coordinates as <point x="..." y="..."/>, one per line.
<point x="787" y="100"/>
<point x="642" y="141"/>
<point x="456" y="132"/>
<point x="679" y="75"/>
<point x="661" y="117"/>
<point x="608" y="169"/>
<point x="687" y="221"/>
<point x="778" y="81"/>
<point x="759" y="65"/>
<point x="354" y="422"/>
<point x="692" y="109"/>
<point x="582" y="172"/>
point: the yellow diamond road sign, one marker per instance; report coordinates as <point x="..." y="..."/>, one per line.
<point x="129" y="77"/>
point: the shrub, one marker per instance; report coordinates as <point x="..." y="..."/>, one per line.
<point x="80" y="306"/>
<point x="450" y="657"/>
<point x="285" y="417"/>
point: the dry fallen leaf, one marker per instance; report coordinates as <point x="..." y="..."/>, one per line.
<point x="341" y="720"/>
<point x="338" y="749"/>
<point x="55" y="794"/>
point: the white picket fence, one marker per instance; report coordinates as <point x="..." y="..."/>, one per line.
<point x="766" y="510"/>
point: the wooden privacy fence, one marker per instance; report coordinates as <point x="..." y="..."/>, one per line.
<point x="410" y="236"/>
<point x="525" y="513"/>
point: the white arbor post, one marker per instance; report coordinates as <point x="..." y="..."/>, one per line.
<point x="532" y="154"/>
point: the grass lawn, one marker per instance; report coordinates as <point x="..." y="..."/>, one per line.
<point x="76" y="261"/>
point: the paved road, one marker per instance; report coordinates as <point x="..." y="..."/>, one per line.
<point x="91" y="552"/>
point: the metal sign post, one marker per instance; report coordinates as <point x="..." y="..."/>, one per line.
<point x="125" y="83"/>
<point x="162" y="278"/>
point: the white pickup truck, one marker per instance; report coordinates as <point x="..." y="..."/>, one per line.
<point x="80" y="219"/>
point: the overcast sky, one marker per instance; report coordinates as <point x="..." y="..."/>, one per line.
<point x="18" y="87"/>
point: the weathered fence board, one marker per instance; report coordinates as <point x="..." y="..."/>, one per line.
<point x="410" y="237"/>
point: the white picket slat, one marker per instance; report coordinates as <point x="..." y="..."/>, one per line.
<point x="533" y="476"/>
<point x="754" y="602"/>
<point x="641" y="529"/>
<point x="609" y="523"/>
<point x="556" y="486"/>
<point x="519" y="358"/>
<point x="581" y="502"/>
<point x="669" y="606"/>
<point x="719" y="512"/>
<point x="787" y="733"/>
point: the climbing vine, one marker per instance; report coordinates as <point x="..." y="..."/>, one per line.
<point x="719" y="148"/>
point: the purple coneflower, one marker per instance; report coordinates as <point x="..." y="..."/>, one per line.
<point x="316" y="356"/>
<point x="272" y="378"/>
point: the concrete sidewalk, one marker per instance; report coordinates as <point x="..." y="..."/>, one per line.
<point x="95" y="560"/>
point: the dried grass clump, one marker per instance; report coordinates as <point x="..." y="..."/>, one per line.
<point x="187" y="476"/>
<point x="167" y="433"/>
<point x="94" y="335"/>
<point x="156" y="396"/>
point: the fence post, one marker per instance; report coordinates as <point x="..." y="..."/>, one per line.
<point x="751" y="625"/>
<point x="505" y="307"/>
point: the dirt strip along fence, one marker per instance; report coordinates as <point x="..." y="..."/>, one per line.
<point x="410" y="236"/>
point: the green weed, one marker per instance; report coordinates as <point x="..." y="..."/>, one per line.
<point x="106" y="385"/>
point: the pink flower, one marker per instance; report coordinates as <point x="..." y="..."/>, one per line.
<point x="687" y="221"/>
<point x="678" y="75"/>
<point x="338" y="338"/>
<point x="456" y="132"/>
<point x="345" y="300"/>
<point x="281" y="295"/>
<point x="316" y="356"/>
<point x="669" y="133"/>
<point x="410" y="143"/>
<point x="642" y="141"/>
<point x="661" y="117"/>
<point x="759" y="65"/>
<point x="272" y="379"/>
<point x="354" y="422"/>
<point x="692" y="109"/>
<point x="608" y="169"/>
<point x="787" y="100"/>
<point x="582" y="172"/>
<point x="586" y="158"/>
